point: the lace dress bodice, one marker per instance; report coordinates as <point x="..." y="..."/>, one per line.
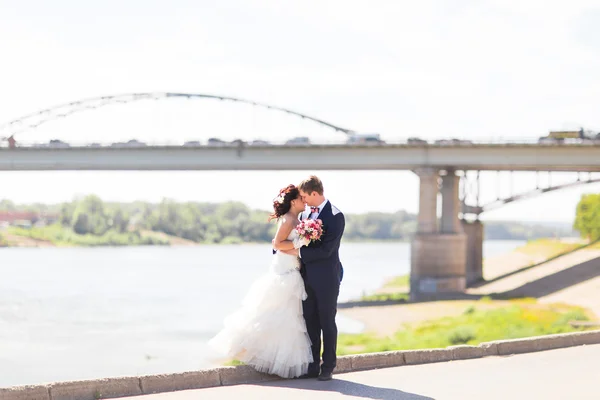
<point x="285" y="263"/>
<point x="293" y="235"/>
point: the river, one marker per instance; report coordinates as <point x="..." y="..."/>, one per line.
<point x="85" y="313"/>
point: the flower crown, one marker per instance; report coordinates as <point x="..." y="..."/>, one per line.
<point x="279" y="199"/>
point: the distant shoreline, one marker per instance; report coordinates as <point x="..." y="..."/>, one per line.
<point x="90" y="221"/>
<point x="16" y="241"/>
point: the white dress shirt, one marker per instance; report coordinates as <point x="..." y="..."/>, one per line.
<point x="316" y="215"/>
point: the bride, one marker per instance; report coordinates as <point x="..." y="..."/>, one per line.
<point x="268" y="332"/>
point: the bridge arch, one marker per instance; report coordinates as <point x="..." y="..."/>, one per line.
<point x="35" y="119"/>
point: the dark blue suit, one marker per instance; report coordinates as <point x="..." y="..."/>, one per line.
<point x="322" y="272"/>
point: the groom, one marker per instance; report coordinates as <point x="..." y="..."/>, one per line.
<point x="322" y="272"/>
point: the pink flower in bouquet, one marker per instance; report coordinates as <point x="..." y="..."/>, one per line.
<point x="311" y="229"/>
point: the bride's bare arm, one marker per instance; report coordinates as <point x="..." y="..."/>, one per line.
<point x="280" y="242"/>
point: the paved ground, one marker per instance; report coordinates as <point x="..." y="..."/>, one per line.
<point x="562" y="374"/>
<point x="585" y="294"/>
<point x="558" y="268"/>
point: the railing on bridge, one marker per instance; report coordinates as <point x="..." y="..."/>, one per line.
<point x="214" y="142"/>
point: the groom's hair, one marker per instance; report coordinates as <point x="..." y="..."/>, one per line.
<point x="312" y="184"/>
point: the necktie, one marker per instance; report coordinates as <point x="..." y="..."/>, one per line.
<point x="314" y="210"/>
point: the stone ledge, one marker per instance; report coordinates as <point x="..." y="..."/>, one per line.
<point x="178" y="381"/>
<point x="489" y="348"/>
<point x="344" y="364"/>
<point x="95" y="389"/>
<point x="532" y="344"/>
<point x="131" y="386"/>
<point x="425" y="356"/>
<point x="384" y="359"/>
<point x="464" y="352"/>
<point x="589" y="337"/>
<point x="242" y="374"/>
<point x="29" y="392"/>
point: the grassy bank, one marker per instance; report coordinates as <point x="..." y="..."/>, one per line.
<point x="62" y="236"/>
<point x="58" y="235"/>
<point x="399" y="282"/>
<point x="595" y="246"/>
<point x="397" y="296"/>
<point x="548" y="248"/>
<point x="394" y="289"/>
<point x="522" y="318"/>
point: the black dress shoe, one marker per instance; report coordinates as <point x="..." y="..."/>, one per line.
<point x="325" y="376"/>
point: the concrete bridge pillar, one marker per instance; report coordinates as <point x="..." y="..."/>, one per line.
<point x="474" y="268"/>
<point x="450" y="204"/>
<point x="438" y="255"/>
<point x="428" y="194"/>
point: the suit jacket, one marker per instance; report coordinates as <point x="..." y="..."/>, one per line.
<point x="320" y="261"/>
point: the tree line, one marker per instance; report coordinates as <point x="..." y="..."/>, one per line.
<point x="234" y="222"/>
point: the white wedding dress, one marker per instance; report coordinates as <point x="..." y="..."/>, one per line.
<point x="268" y="332"/>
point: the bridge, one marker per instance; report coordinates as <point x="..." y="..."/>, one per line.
<point x="446" y="256"/>
<point x="474" y="157"/>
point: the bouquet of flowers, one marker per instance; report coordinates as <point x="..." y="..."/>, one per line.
<point x="310" y="230"/>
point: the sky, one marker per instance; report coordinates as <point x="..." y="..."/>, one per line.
<point x="479" y="70"/>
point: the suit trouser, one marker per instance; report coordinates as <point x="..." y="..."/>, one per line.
<point x="319" y="310"/>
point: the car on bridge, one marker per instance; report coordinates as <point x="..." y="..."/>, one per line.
<point x="215" y="142"/>
<point x="452" y="142"/>
<point x="416" y="140"/>
<point x="365" y="138"/>
<point x="259" y="143"/>
<point x="298" y="141"/>
<point x="58" y="144"/>
<point x="578" y="136"/>
<point x="192" y="143"/>
<point x="130" y="143"/>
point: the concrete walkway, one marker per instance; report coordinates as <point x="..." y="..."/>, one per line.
<point x="585" y="294"/>
<point x="524" y="282"/>
<point x="571" y="373"/>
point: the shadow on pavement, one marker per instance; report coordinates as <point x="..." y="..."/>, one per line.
<point x="558" y="281"/>
<point x="519" y="270"/>
<point x="348" y="388"/>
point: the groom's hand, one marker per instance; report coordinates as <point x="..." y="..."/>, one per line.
<point x="293" y="252"/>
<point x="301" y="241"/>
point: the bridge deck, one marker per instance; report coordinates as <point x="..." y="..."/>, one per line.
<point x="516" y="157"/>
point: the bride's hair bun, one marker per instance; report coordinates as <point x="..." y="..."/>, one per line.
<point x="283" y="202"/>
